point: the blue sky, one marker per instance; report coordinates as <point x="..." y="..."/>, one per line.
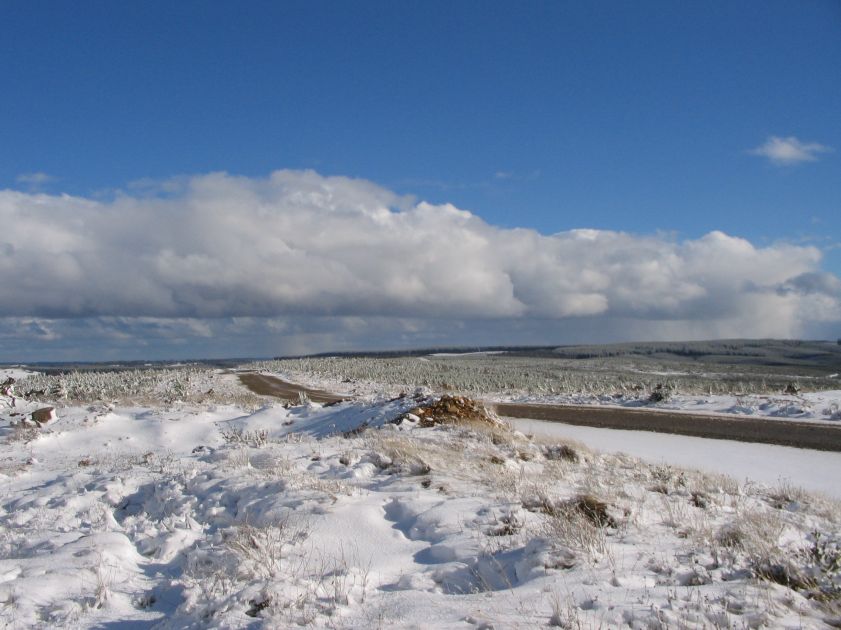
<point x="643" y="117"/>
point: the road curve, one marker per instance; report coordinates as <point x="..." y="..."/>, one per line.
<point x="817" y="436"/>
<point x="266" y="385"/>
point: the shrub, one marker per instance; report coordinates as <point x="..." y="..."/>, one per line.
<point x="561" y="452"/>
<point x="594" y="510"/>
<point x="261" y="550"/>
<point x="257" y="439"/>
<point x="660" y="394"/>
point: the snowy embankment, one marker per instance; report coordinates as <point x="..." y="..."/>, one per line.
<point x="377" y="514"/>
<point x="816" y="471"/>
<point x="823" y="406"/>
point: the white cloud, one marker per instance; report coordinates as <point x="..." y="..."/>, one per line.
<point x="34" y="180"/>
<point x="226" y="255"/>
<point x="520" y="177"/>
<point x="790" y="150"/>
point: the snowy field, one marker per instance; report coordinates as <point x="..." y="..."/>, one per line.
<point x="159" y="512"/>
<point x="628" y="372"/>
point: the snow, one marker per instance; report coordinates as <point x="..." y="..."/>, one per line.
<point x="222" y="516"/>
<point x="815" y="471"/>
<point x="15" y="373"/>
<point x="475" y="353"/>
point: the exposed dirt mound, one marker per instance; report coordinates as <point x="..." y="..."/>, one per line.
<point x="450" y="410"/>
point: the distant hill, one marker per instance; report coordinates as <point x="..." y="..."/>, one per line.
<point x="815" y="354"/>
<point x="780" y="353"/>
<point x="768" y="352"/>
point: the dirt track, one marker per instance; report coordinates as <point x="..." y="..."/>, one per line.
<point x="744" y="429"/>
<point x="817" y="436"/>
<point x="265" y="385"/>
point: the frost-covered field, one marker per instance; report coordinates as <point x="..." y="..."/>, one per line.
<point x="202" y="513"/>
<point x="510" y="374"/>
<point x="192" y="384"/>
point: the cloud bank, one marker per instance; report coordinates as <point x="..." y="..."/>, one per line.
<point x="202" y="253"/>
<point x="790" y="150"/>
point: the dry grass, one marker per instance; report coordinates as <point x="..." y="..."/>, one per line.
<point x="23" y="433"/>
<point x="256" y="439"/>
<point x="577" y="528"/>
<point x="261" y="551"/>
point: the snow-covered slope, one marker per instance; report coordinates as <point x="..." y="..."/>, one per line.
<point x="216" y="516"/>
<point x="817" y="471"/>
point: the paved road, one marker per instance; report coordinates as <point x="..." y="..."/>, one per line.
<point x="265" y="385"/>
<point x="744" y="429"/>
<point x="817" y="436"/>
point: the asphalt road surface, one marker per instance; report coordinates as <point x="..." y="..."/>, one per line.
<point x="818" y="436"/>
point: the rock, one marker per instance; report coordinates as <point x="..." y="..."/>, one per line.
<point x="44" y="415"/>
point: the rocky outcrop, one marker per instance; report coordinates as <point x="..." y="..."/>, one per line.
<point x="44" y="415"/>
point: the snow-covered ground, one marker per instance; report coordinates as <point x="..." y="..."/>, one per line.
<point x="816" y="471"/>
<point x="207" y="515"/>
<point x="478" y="353"/>
<point x="15" y="373"/>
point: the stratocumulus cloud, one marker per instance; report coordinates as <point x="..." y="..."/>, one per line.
<point x="298" y="244"/>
